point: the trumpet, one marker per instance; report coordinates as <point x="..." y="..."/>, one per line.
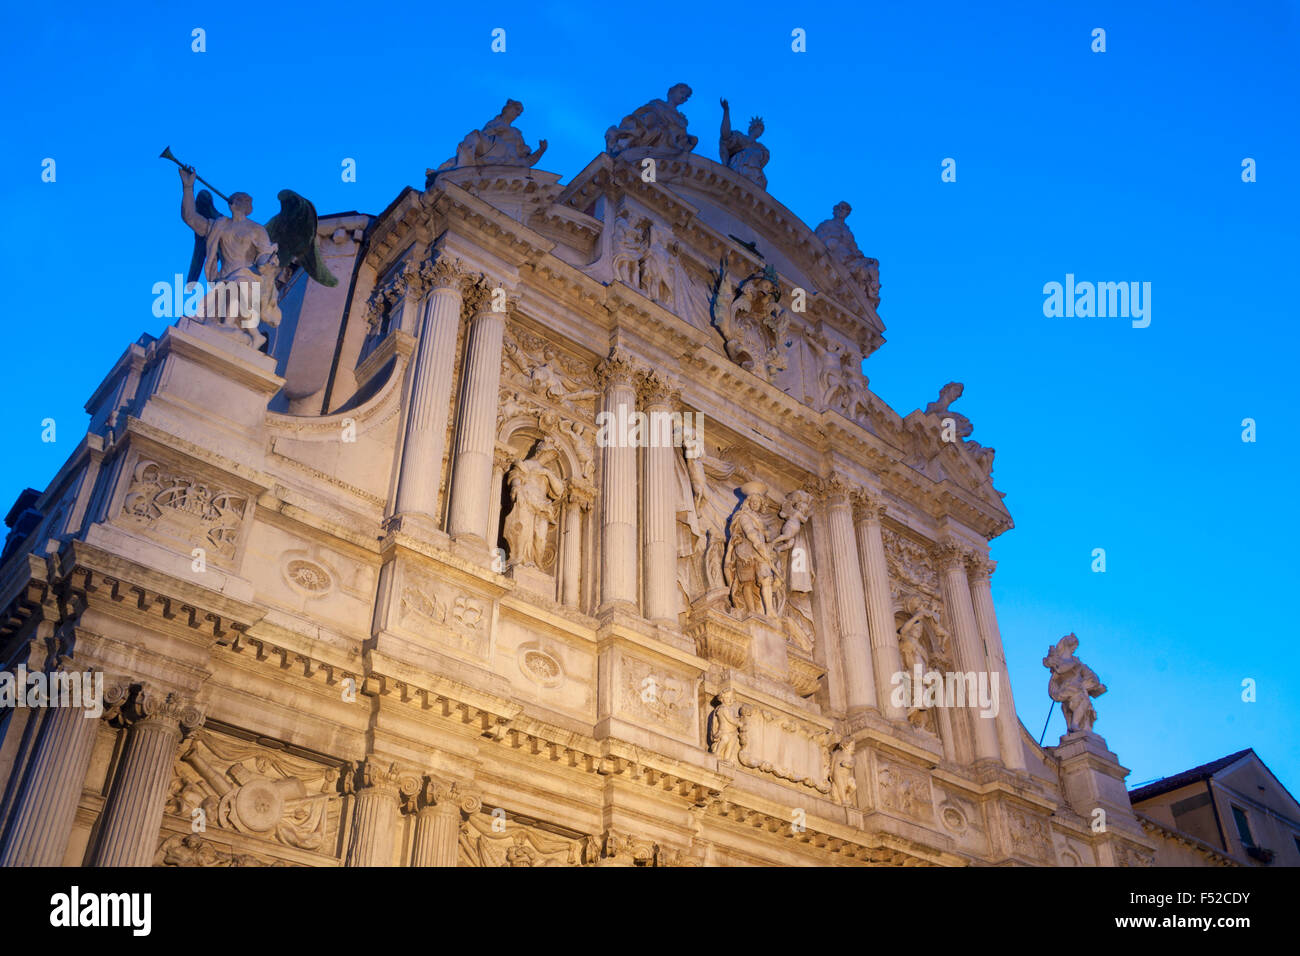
<point x="167" y="154"/>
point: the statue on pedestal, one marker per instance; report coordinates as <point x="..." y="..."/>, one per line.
<point x="743" y="153"/>
<point x="724" y="728"/>
<point x="1072" y="684"/>
<point x="496" y="144"/>
<point x="838" y="237"/>
<point x="749" y="565"/>
<point x="658" y="127"/>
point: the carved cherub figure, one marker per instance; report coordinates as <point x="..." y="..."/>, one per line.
<point x="796" y="510"/>
<point x="844" y="784"/>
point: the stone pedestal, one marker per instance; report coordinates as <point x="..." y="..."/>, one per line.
<point x="1093" y="778"/>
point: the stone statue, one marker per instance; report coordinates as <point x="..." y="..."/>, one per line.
<point x="741" y="152"/>
<point x="947" y="395"/>
<point x="724" y="728"/>
<point x="796" y="510"/>
<point x="497" y="143"/>
<point x="844" y="784"/>
<point x="1072" y="684"/>
<point x="753" y="324"/>
<point x="534" y="487"/>
<point x="749" y="566"/>
<point x="629" y="248"/>
<point x="240" y="262"/>
<point x="839" y="241"/>
<point x="656" y="278"/>
<point x="658" y="127"/>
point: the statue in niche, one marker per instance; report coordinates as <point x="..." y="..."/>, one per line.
<point x="741" y="152"/>
<point x="546" y="378"/>
<point x="497" y="144"/>
<point x="630" y="247"/>
<point x="839" y="241"/>
<point x="724" y="728"/>
<point x="1072" y="685"/>
<point x="534" y="488"/>
<point x="913" y="651"/>
<point x="844" y="783"/>
<point x="749" y="565"/>
<point x="659" y="127"/>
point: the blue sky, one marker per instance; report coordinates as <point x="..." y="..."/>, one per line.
<point x="1115" y="166"/>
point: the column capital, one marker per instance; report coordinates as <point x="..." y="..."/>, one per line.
<point x="867" y="506"/>
<point x="581" y="494"/>
<point x="483" y="293"/>
<point x="980" y="567"/>
<point x="383" y="777"/>
<point x="441" y="271"/>
<point x="130" y="702"/>
<point x="835" y="488"/>
<point x="432" y="793"/>
<point x="659" y="388"/>
<point x="953" y="555"/>
<point x="619" y="368"/>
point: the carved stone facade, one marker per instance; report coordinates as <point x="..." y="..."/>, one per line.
<point x="584" y="542"/>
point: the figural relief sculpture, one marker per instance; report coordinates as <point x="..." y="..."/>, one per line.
<point x="755" y="327"/>
<point x="1072" y="685"/>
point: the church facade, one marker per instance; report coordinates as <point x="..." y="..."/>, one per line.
<point x="563" y="529"/>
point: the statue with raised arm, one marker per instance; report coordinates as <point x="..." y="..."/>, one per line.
<point x="658" y="127"/>
<point x="1072" y="685"/>
<point x="239" y="261"/>
<point x="741" y="152"/>
<point x="498" y="143"/>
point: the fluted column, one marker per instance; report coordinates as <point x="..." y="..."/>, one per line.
<point x="430" y="392"/>
<point x="969" y="644"/>
<point x="1013" y="753"/>
<point x="618" y="491"/>
<point x="576" y="501"/>
<point x="659" y="498"/>
<point x="867" y="512"/>
<point x="46" y="805"/>
<point x="850" y="600"/>
<point x="128" y="834"/>
<point x="437" y="824"/>
<point x="374" y="819"/>
<point x="476" y="428"/>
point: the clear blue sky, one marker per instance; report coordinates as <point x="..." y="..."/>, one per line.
<point x="1122" y="166"/>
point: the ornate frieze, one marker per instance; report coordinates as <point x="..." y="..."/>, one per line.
<point x="184" y="508"/>
<point x="904" y="790"/>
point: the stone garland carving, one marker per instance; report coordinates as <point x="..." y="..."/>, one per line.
<point x="838" y="237"/>
<point x="250" y="790"/>
<point x="1072" y="684"/>
<point x="485" y="842"/>
<point x="656" y="129"/>
<point x="755" y="327"/>
<point x="183" y="507"/>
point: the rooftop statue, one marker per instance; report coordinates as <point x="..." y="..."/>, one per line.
<point x="1072" y="684"/>
<point x="497" y="143"/>
<point x="839" y="241"/>
<point x="741" y="152"/>
<point x="244" y="262"/>
<point x="659" y="126"/>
